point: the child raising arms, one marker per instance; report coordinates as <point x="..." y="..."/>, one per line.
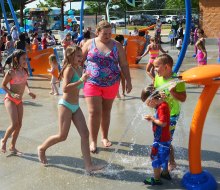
<point x="17" y="77"/>
<point x="69" y="109"/>
<point x="54" y="72"/>
<point x="153" y="49"/>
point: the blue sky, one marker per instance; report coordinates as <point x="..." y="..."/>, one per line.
<point x="75" y="5"/>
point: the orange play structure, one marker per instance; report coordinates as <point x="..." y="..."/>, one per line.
<point x="208" y="75"/>
<point x="135" y="46"/>
<point x="39" y="62"/>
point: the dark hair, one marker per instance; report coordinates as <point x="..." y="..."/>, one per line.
<point x="149" y="91"/>
<point x="9" y="38"/>
<point x="22" y="37"/>
<point x="16" y="56"/>
<point x="119" y="38"/>
<point x="165" y="59"/>
<point x="87" y="34"/>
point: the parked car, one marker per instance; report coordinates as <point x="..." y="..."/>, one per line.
<point x="117" y="21"/>
<point x="169" y="18"/>
<point x="140" y="19"/>
<point x="161" y="17"/>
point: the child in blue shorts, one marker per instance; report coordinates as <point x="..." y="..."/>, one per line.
<point x="160" y="124"/>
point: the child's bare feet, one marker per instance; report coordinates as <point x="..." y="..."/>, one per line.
<point x="106" y="143"/>
<point x="15" y="151"/>
<point x="56" y="94"/>
<point x="3" y="146"/>
<point x="93" y="147"/>
<point x="94" y="168"/>
<point x="52" y="93"/>
<point x="41" y="156"/>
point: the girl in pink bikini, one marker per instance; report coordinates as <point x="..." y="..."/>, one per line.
<point x="17" y="78"/>
<point x="153" y="49"/>
<point x="201" y="55"/>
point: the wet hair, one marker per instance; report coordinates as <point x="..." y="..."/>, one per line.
<point x="102" y="25"/>
<point x="52" y="58"/>
<point x="149" y="91"/>
<point x="16" y="55"/>
<point x="119" y="38"/>
<point x="165" y="59"/>
<point x="200" y="45"/>
<point x="67" y="60"/>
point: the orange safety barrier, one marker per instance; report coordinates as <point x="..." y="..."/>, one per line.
<point x="34" y="47"/>
<point x="146" y="29"/>
<point x="39" y="61"/>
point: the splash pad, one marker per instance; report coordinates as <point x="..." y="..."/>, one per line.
<point x="208" y="75"/>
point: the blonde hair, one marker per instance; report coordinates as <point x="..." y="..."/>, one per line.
<point x="52" y="58"/>
<point x="67" y="60"/>
<point x="102" y="24"/>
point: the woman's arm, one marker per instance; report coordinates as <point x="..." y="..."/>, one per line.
<point x="145" y="53"/>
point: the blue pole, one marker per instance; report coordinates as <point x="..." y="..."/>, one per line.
<point x="5" y="16"/>
<point x="81" y="17"/>
<point x="14" y="16"/>
<point x="186" y="36"/>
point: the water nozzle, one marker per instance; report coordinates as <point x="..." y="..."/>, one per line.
<point x="177" y="77"/>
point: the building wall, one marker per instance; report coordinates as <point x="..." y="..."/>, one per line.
<point x="210" y="17"/>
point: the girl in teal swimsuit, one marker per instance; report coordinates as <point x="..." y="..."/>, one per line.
<point x="69" y="109"/>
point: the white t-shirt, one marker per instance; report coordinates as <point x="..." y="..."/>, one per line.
<point x="179" y="43"/>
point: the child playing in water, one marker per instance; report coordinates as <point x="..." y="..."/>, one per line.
<point x="160" y="124"/>
<point x="153" y="49"/>
<point x="69" y="109"/>
<point x="17" y="78"/>
<point x="176" y="93"/>
<point x="201" y="55"/>
<point x="120" y="39"/>
<point x="54" y="72"/>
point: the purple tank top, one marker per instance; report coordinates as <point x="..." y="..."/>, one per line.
<point x="103" y="68"/>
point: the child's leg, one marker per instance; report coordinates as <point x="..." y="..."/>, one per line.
<point x="17" y="129"/>
<point x="53" y="84"/>
<point x="150" y="69"/>
<point x="157" y="172"/>
<point x="55" y="89"/>
<point x="65" y="116"/>
<point x="80" y="123"/>
<point x="14" y="117"/>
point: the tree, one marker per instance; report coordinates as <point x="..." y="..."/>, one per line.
<point x="53" y="3"/>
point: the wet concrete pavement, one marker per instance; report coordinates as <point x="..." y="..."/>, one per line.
<point x="128" y="161"/>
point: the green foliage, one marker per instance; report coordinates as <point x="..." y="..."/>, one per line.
<point x="53" y="3"/>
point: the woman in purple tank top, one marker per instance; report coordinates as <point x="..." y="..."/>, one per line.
<point x="103" y="57"/>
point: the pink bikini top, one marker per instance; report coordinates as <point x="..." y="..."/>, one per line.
<point x="19" y="77"/>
